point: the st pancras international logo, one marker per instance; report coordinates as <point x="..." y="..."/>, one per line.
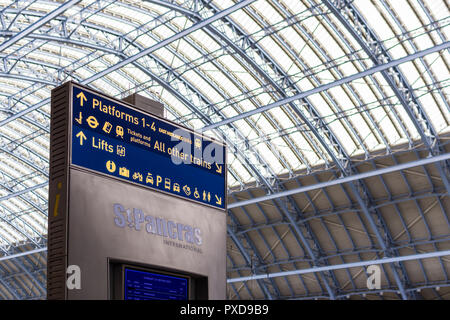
<point x="175" y="234"/>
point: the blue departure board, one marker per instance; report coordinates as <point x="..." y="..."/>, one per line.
<point x="144" y="285"/>
<point x="112" y="138"/>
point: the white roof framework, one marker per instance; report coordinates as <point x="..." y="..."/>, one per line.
<point x="373" y="80"/>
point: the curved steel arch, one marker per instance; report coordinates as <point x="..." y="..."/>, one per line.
<point x="363" y="206"/>
<point x="172" y="91"/>
<point x="343" y="168"/>
<point x="18" y="182"/>
<point x="422" y="61"/>
<point x="286" y="212"/>
<point x="39" y="236"/>
<point x="316" y="244"/>
<point x="86" y="44"/>
<point x="198" y="111"/>
<point x="93" y="46"/>
<point x="24" y="160"/>
<point x="346" y="13"/>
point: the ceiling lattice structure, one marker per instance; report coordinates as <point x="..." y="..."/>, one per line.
<point x="302" y="91"/>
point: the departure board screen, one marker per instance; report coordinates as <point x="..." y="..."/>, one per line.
<point x="145" y="285"/>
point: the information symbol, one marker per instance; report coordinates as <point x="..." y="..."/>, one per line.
<point x="110" y="166"/>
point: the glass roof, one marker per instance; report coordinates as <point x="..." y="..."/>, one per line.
<point x="262" y="53"/>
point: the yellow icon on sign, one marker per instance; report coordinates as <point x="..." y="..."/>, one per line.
<point x="92" y="122"/>
<point x="218" y="200"/>
<point x="187" y="190"/>
<point x="110" y="166"/>
<point x="120" y="150"/>
<point x="167" y="183"/>
<point x="149" y="178"/>
<point x="124" y="172"/>
<point x="196" y="194"/>
<point x="158" y="180"/>
<point x="176" y="187"/>
<point x="107" y="127"/>
<point x="119" y="131"/>
<point x="82" y="98"/>
<point x="138" y="176"/>
<point x="82" y="137"/>
<point x="79" y="119"/>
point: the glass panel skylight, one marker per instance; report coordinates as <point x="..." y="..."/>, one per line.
<point x="254" y="57"/>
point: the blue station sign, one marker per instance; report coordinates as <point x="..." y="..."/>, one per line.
<point x="112" y="138"/>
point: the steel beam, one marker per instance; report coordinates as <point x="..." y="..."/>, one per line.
<point x="170" y="90"/>
<point x="248" y="260"/>
<point x="21" y="254"/>
<point x="365" y="73"/>
<point x="346" y="179"/>
<point x="284" y="210"/>
<point x="354" y="23"/>
<point x="38" y="24"/>
<point x="342" y="160"/>
<point x="344" y="266"/>
<point x="139" y="55"/>
<point x="174" y="6"/>
<point x="171" y="39"/>
<point x="18" y="193"/>
<point x="10" y="289"/>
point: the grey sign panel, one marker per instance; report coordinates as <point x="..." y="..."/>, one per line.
<point x="97" y="220"/>
<point x="113" y="220"/>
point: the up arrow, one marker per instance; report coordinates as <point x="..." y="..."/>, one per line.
<point x="82" y="98"/>
<point x="81" y="136"/>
